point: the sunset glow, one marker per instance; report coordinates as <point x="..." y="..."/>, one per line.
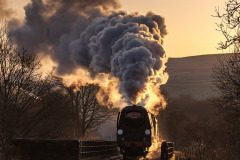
<point x="119" y="79"/>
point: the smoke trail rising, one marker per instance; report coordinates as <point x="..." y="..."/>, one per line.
<point x="50" y="22"/>
<point x="120" y="52"/>
<point x="128" y="47"/>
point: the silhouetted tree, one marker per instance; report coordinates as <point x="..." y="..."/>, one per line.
<point x="87" y="112"/>
<point x="227" y="75"/>
<point x="229" y="25"/>
<point x="21" y="88"/>
<point x="51" y="117"/>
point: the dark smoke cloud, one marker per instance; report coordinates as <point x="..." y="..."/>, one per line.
<point x="127" y="46"/>
<point x="50" y="22"/>
<point x="5" y="12"/>
<point x="80" y="33"/>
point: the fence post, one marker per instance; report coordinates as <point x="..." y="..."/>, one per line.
<point x="80" y="149"/>
<point x="167" y="150"/>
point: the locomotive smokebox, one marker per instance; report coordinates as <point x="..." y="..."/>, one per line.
<point x="134" y="135"/>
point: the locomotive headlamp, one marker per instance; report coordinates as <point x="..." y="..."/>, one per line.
<point x="147" y="131"/>
<point x="120" y="132"/>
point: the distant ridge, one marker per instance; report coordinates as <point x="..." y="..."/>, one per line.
<point x="202" y="55"/>
<point x="192" y="76"/>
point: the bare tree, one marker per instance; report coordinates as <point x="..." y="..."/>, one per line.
<point x="227" y="80"/>
<point x="229" y="24"/>
<point x="87" y="112"/>
<point x="51" y="116"/>
<point x="21" y="88"/>
<point x="227" y="75"/>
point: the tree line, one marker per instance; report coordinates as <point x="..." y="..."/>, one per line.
<point x="34" y="105"/>
<point x="210" y="129"/>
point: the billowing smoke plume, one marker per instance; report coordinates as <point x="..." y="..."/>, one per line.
<point x="89" y="35"/>
<point x="50" y="22"/>
<point x="127" y="46"/>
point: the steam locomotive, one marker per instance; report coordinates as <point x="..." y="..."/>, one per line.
<point x="134" y="135"/>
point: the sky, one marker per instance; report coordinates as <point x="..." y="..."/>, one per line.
<point x="190" y="24"/>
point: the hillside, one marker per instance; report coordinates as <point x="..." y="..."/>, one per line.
<point x="191" y="76"/>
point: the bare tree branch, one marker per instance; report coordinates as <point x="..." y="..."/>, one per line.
<point x="227" y="74"/>
<point x="88" y="113"/>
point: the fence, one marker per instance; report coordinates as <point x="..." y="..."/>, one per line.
<point x="64" y="149"/>
<point x="33" y="149"/>
<point x="88" y="149"/>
